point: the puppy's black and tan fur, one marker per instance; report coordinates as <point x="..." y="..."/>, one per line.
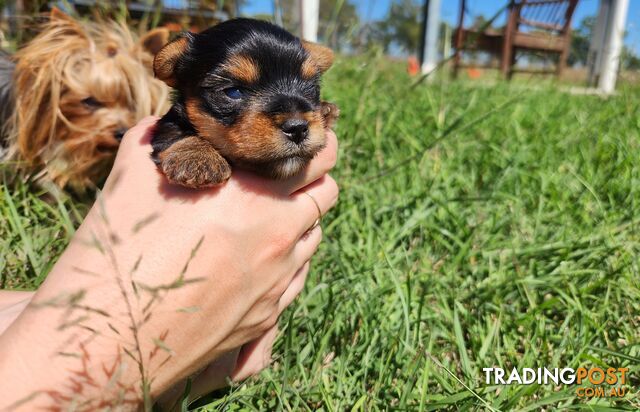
<point x="248" y="95"/>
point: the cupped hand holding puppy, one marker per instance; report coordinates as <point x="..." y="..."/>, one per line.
<point x="159" y="281"/>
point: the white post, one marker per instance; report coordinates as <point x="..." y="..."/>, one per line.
<point x="430" y="52"/>
<point x="277" y="13"/>
<point x="594" y="57"/>
<point x="604" y="58"/>
<point x="309" y="11"/>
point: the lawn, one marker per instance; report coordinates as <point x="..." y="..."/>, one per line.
<point x="478" y="226"/>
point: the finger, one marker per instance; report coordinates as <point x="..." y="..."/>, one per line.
<point x="255" y="355"/>
<point x="307" y="244"/>
<point x="139" y="132"/>
<point x="214" y="376"/>
<point x="321" y="194"/>
<point x="134" y="150"/>
<point x="136" y="142"/>
<point x="320" y="165"/>
<point x="295" y="287"/>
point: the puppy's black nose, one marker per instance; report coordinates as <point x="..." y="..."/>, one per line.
<point x="119" y="134"/>
<point x="296" y="130"/>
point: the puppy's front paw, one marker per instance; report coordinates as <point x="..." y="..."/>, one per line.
<point x="194" y="163"/>
<point x="330" y="114"/>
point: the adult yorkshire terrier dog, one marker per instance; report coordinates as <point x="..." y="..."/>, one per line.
<point x="74" y="90"/>
<point x="248" y="95"/>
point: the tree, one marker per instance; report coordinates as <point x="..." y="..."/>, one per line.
<point x="580" y="41"/>
<point x="629" y="59"/>
<point x="337" y="18"/>
<point x="402" y="25"/>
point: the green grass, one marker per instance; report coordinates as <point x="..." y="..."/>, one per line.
<point x="477" y="227"/>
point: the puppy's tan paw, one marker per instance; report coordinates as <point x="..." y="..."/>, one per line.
<point x="194" y="163"/>
<point x="330" y="114"/>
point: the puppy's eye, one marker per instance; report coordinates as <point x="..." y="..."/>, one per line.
<point x="234" y="93"/>
<point x="91" y="103"/>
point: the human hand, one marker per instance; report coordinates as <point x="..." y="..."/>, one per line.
<point x="216" y="266"/>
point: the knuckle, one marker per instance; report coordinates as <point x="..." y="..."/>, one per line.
<point x="270" y="321"/>
<point x="274" y="295"/>
<point x="281" y="244"/>
<point x="281" y="287"/>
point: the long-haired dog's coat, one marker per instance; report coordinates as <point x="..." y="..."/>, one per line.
<point x="247" y="95"/>
<point x="69" y="95"/>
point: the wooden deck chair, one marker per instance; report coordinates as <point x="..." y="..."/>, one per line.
<point x="541" y="26"/>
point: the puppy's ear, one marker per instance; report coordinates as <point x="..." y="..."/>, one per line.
<point x="154" y="40"/>
<point x="164" y="64"/>
<point x="320" y="56"/>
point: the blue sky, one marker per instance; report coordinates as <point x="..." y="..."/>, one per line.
<point x="377" y="9"/>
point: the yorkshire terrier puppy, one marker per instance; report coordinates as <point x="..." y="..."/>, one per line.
<point x="248" y="96"/>
<point x="72" y="92"/>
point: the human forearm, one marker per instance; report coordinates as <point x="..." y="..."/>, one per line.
<point x="70" y="328"/>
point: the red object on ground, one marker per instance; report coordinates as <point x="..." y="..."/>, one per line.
<point x="474" y="73"/>
<point x="413" y="67"/>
